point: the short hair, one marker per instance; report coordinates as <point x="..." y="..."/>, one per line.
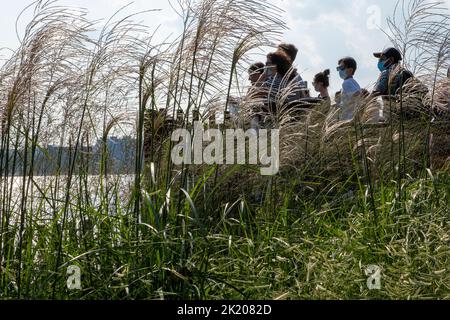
<point x="349" y="62"/>
<point x="290" y="49"/>
<point x="256" y="67"/>
<point x="282" y="61"/>
<point x="323" y="77"/>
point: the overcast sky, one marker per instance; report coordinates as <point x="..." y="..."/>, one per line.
<point x="323" y="30"/>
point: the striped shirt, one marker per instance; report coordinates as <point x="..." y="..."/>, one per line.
<point x="285" y="90"/>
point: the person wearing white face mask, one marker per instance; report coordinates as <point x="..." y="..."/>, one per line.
<point x="347" y="67"/>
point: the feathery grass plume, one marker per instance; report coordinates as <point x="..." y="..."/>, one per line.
<point x="423" y="37"/>
<point x="33" y="77"/>
<point x="61" y="85"/>
<point x="216" y="39"/>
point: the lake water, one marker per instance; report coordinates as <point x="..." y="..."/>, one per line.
<point x="44" y="196"/>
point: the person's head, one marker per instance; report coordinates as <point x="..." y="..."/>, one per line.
<point x="322" y="81"/>
<point x="387" y="58"/>
<point x="255" y="71"/>
<point x="278" y="62"/>
<point x="289" y="49"/>
<point x="347" y="67"/>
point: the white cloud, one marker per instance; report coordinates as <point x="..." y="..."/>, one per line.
<point x="324" y="31"/>
<point x="98" y="9"/>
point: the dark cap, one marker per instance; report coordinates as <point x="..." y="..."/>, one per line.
<point x="389" y="53"/>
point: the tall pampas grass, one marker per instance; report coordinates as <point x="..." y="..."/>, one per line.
<point x="349" y="193"/>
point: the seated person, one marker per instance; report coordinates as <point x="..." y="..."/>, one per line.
<point x="442" y="101"/>
<point x="256" y="77"/>
<point x="321" y="83"/>
<point x="291" y="51"/>
<point x="278" y="76"/>
<point x="350" y="88"/>
<point x="255" y="72"/>
<point x="392" y="76"/>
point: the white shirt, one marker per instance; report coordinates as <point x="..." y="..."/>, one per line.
<point x="349" y="88"/>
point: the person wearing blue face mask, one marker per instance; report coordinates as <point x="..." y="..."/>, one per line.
<point x="350" y="87"/>
<point x="391" y="77"/>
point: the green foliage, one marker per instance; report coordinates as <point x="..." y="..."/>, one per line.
<point x="348" y="195"/>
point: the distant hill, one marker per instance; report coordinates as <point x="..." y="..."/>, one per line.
<point x="119" y="159"/>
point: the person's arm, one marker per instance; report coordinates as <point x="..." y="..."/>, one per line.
<point x="338" y="97"/>
<point x="381" y="87"/>
<point x="350" y="87"/>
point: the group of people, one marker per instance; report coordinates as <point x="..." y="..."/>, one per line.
<point x="278" y="73"/>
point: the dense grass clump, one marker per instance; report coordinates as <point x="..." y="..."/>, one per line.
<point x="302" y="247"/>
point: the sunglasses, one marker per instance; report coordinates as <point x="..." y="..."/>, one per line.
<point x="340" y="68"/>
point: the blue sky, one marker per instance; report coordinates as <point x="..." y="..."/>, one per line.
<point x="323" y="30"/>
